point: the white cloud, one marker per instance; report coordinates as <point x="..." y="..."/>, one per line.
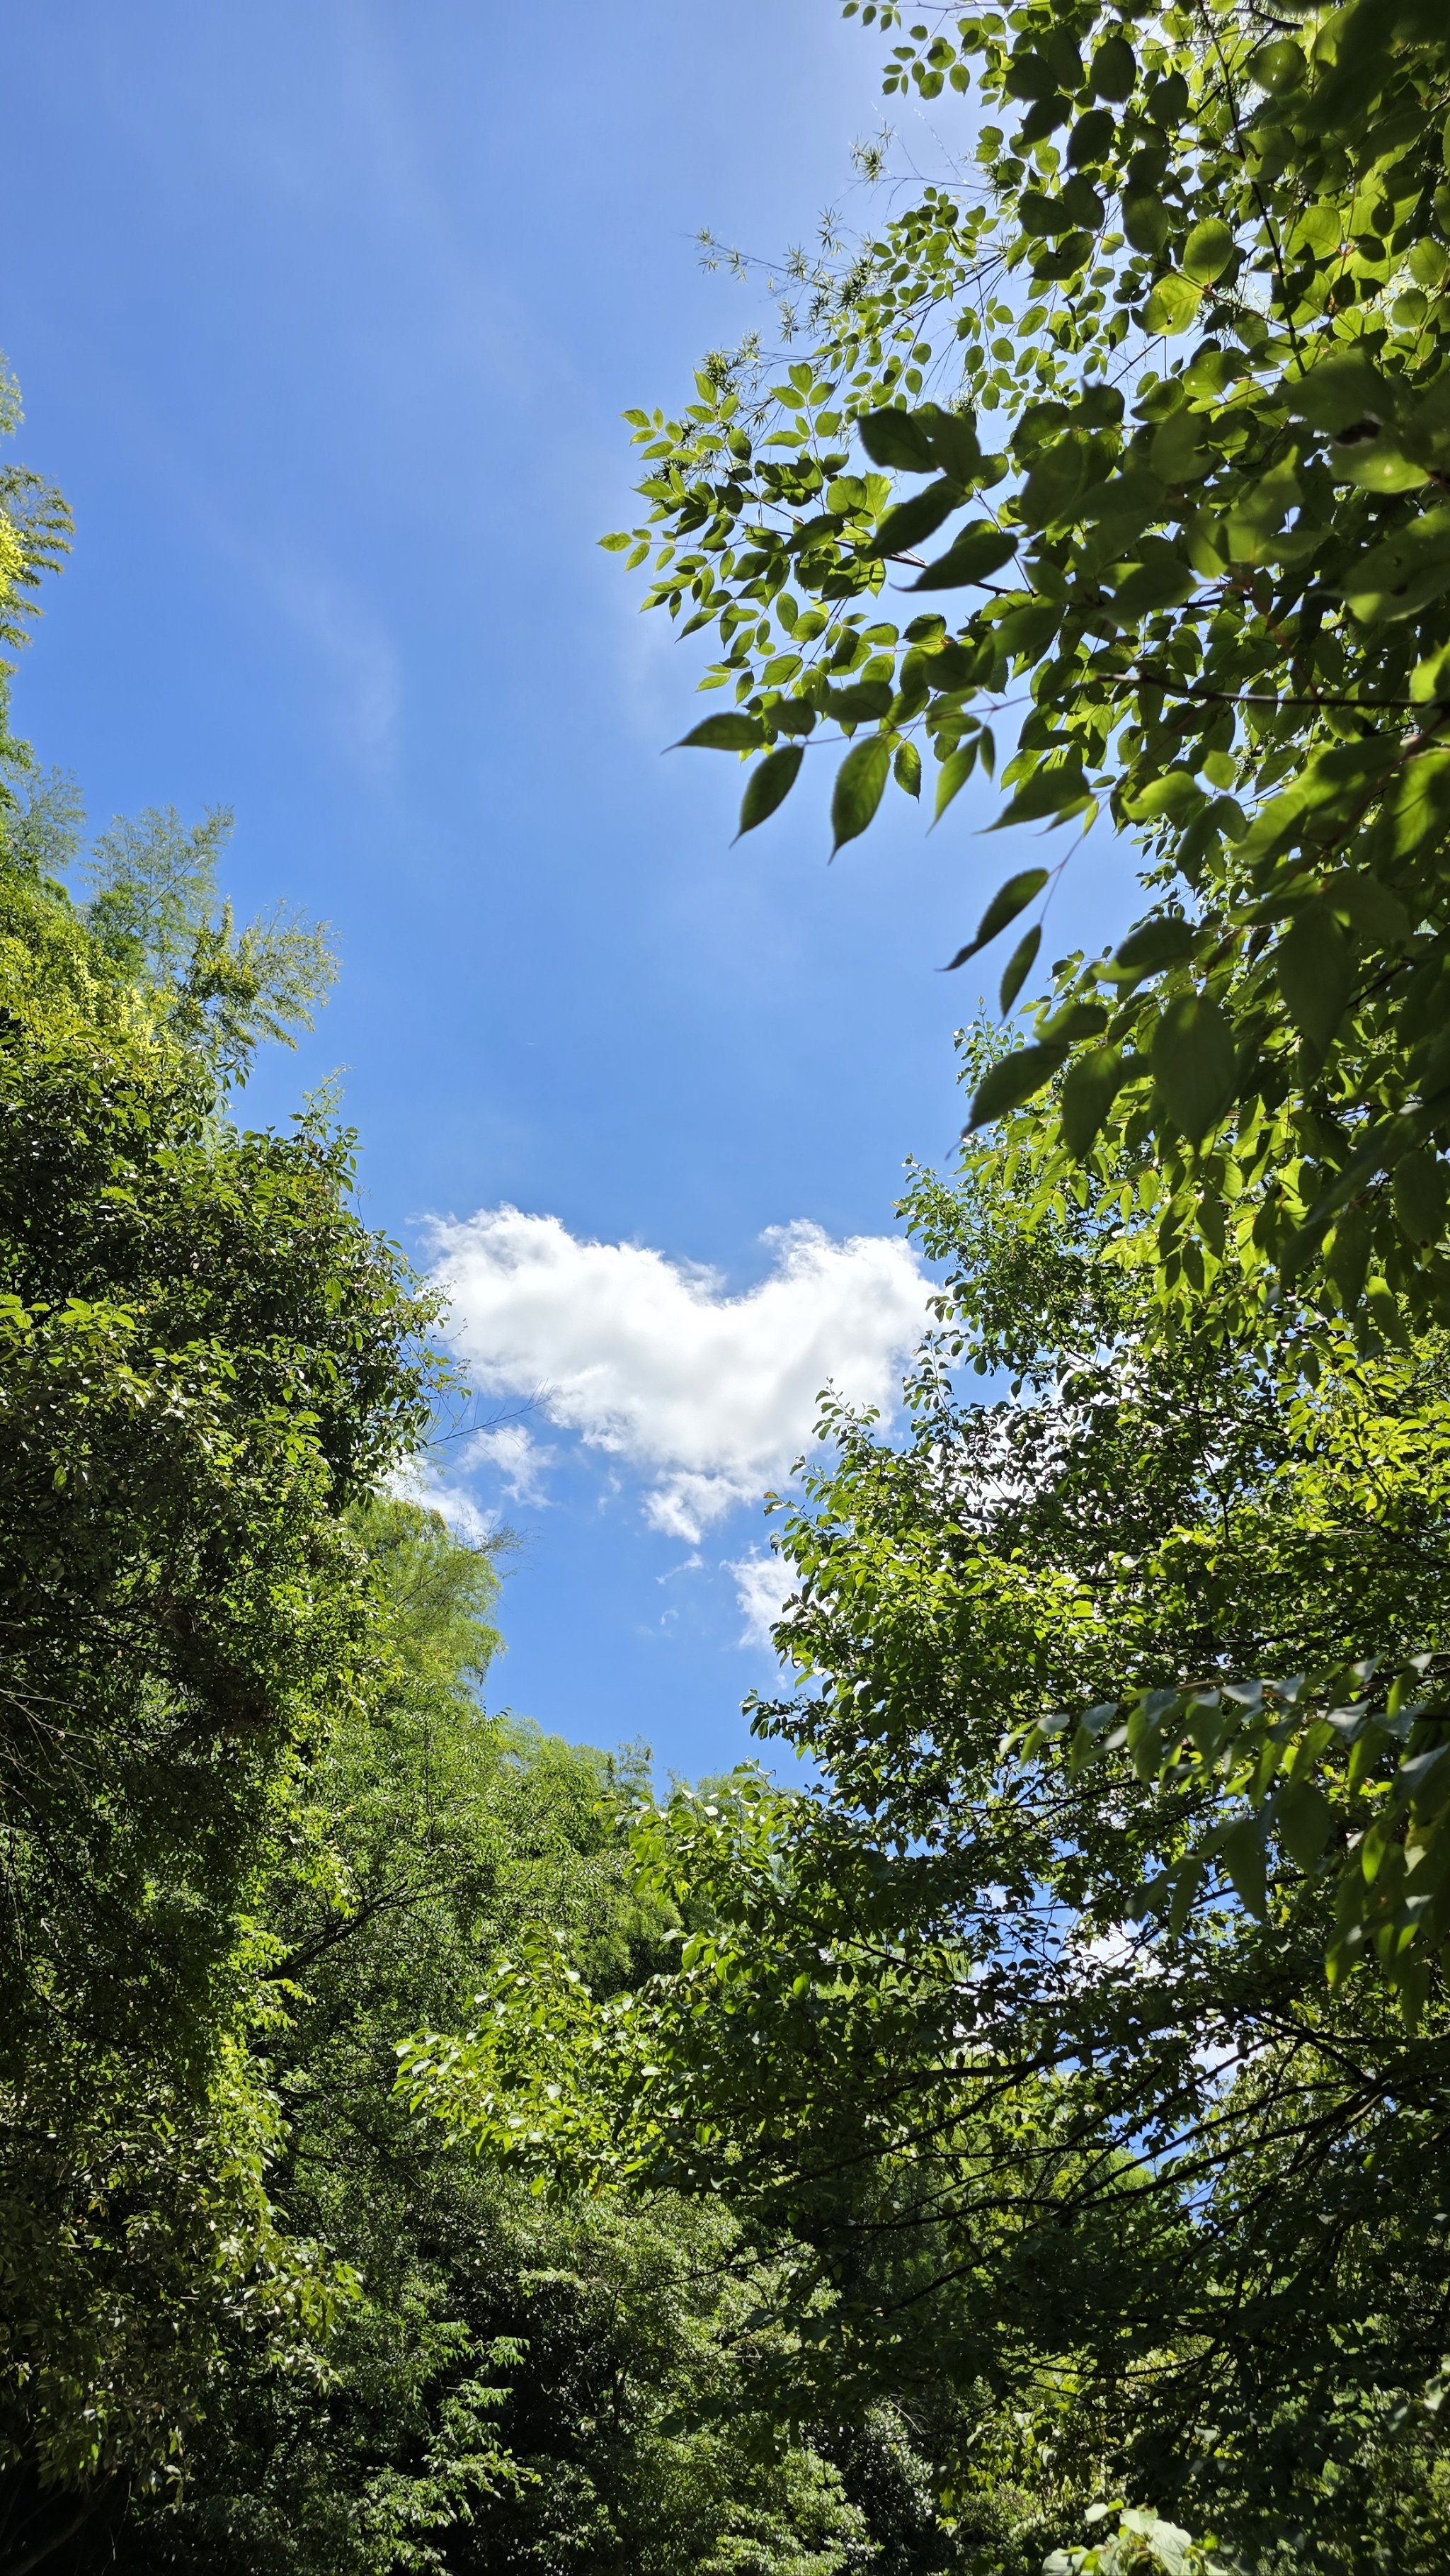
<point x="707" y="1396"/>
<point x="513" y="1455"/>
<point x="763" y="1585"/>
<point x="417" y="1482"/>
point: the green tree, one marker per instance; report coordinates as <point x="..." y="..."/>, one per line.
<point x="35" y="529"/>
<point x="1126" y="2172"/>
<point x="1164" y="347"/>
<point x="515" y="2384"/>
<point x="205" y="1361"/>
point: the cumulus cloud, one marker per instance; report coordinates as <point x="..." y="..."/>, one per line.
<point x="762" y="1587"/>
<point x="707" y="1396"/>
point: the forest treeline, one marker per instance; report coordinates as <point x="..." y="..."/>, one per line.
<point x="424" y="2146"/>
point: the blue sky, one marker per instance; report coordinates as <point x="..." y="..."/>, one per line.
<point x="324" y="317"/>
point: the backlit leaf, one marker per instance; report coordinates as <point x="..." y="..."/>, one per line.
<point x="1207" y="251"/>
<point x="911" y="521"/>
<point x="860" y="782"/>
<point x="1163" y="940"/>
<point x="906" y="768"/>
<point x="1054" y="793"/>
<point x="1304" y="1821"/>
<point x="1194" y="1064"/>
<point x="1399" y="577"/>
<point x="953" y="775"/>
<point x="1242" y="1854"/>
<point x="1088" y="1093"/>
<point x="1172" y="305"/>
<point x="1420" y="1188"/>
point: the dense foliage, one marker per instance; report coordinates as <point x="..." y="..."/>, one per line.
<point x="968" y="2151"/>
<point x="204" y="1358"/>
<point x="513" y="2384"/>
<point x="1144" y="2181"/>
<point x="255" y="1824"/>
<point x="1177" y="304"/>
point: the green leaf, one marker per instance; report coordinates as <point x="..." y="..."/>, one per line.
<point x="1207" y="251"/>
<point x="977" y="553"/>
<point x="1315" y="975"/>
<point x="1164" y="939"/>
<point x="1088" y="1093"/>
<point x="1030" y="75"/>
<point x="1113" y="69"/>
<point x="1092" y="139"/>
<point x="1420" y="1186"/>
<point x="1018" y="967"/>
<point x="793" y="715"/>
<point x="1172" y="305"/>
<point x="865" y="703"/>
<point x="1081" y="200"/>
<point x="1048" y="792"/>
<point x="1005" y="905"/>
<point x="1012" y="1082"/>
<point x="895" y="439"/>
<point x="1242" y="1853"/>
<point x="724" y="733"/>
<point x="1176" y="794"/>
<point x="1399" y="577"/>
<point x="952" y="438"/>
<point x="769" y="784"/>
<point x="1339" y="392"/>
<point x="1053" y="484"/>
<point x="906" y="768"/>
<point x="1376" y="465"/>
<point x="1304" y="1820"/>
<point x="1195" y="1071"/>
<point x="953" y="776"/>
<point x="1278" y="65"/>
<point x="1028" y="628"/>
<point x="921" y="516"/>
<point x="860" y="784"/>
<point x="1178" y="454"/>
<point x="1164" y="582"/>
<point x="1147" y="222"/>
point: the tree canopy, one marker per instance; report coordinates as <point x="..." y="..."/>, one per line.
<point x="423" y="2147"/>
<point x="1132" y="2175"/>
<point x="1163" y="353"/>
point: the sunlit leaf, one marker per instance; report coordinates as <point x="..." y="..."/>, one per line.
<point x="860" y="782"/>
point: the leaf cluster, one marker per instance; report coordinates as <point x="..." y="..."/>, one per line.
<point x="1174" y="336"/>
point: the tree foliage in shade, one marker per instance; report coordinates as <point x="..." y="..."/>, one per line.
<point x="1138" y="2178"/>
<point x="1161" y="359"/>
<point x="205" y="1361"/>
<point x="511" y="2384"/>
